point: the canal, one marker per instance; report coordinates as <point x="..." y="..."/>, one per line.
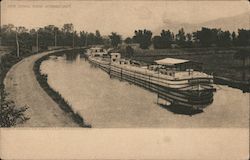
<point x="111" y="103"/>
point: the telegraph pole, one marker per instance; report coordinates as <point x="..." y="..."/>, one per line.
<point x="17" y="45"/>
<point x="55" y="39"/>
<point x="37" y="46"/>
<point x="86" y="40"/>
<point x="73" y="40"/>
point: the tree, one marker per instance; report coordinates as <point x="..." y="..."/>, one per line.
<point x="21" y="29"/>
<point x="129" y="51"/>
<point x="68" y="28"/>
<point x="206" y="37"/>
<point x="8" y="34"/>
<point x="167" y="38"/>
<point x="98" y="37"/>
<point x="181" y="38"/>
<point x="189" y="42"/>
<point x="115" y="39"/>
<point x="128" y="40"/>
<point x="158" y="42"/>
<point x="234" y="38"/>
<point x="83" y="38"/>
<point x="223" y="38"/>
<point x="46" y="37"/>
<point x="243" y="37"/>
<point x="10" y="114"/>
<point x="91" y="38"/>
<point x="164" y="40"/>
<point x="143" y="38"/>
<point x="67" y="34"/>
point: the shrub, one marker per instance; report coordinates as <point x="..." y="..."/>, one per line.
<point x="10" y="114"/>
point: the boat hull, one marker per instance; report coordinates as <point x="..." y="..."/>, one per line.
<point x="180" y="92"/>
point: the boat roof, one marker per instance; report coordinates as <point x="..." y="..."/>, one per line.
<point x="170" y="61"/>
<point x="96" y="48"/>
<point x="115" y="53"/>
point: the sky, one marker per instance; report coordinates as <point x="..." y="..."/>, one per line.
<point x="115" y="16"/>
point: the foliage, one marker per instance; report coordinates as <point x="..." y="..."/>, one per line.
<point x="128" y="40"/>
<point x="206" y="37"/>
<point x="143" y="37"/>
<point x="181" y="38"/>
<point x="10" y="114"/>
<point x="224" y="39"/>
<point x="129" y="51"/>
<point x="115" y="39"/>
<point x="243" y="38"/>
<point x="164" y="40"/>
<point x="51" y="35"/>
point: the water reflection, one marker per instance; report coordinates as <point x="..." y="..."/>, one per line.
<point x="178" y="109"/>
<point x="105" y="102"/>
<point x="71" y="56"/>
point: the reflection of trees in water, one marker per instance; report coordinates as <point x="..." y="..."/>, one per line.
<point x="243" y="55"/>
<point x="245" y="74"/>
<point x="71" y="56"/>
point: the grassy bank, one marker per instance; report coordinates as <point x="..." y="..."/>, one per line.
<point x="56" y="96"/>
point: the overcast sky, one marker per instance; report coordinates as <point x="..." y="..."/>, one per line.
<point x="122" y="16"/>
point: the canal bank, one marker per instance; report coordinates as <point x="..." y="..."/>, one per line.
<point x="21" y="84"/>
<point x="56" y="96"/>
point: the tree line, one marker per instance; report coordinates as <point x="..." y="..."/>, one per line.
<point x="51" y="35"/>
<point x="205" y="37"/>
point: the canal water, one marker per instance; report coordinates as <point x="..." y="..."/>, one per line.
<point x="111" y="103"/>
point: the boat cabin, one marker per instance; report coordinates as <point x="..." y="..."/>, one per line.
<point x="135" y="63"/>
<point x="98" y="52"/>
<point x="178" y="64"/>
<point x="124" y="61"/>
<point x="115" y="57"/>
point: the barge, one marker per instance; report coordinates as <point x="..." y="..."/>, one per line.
<point x="177" y="81"/>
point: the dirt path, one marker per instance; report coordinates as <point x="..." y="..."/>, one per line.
<point x="23" y="89"/>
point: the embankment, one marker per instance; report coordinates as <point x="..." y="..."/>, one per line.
<point x="56" y="96"/>
<point x="23" y="88"/>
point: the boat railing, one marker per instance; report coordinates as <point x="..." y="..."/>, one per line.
<point x="157" y="75"/>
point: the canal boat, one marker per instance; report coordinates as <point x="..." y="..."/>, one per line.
<point x="177" y="81"/>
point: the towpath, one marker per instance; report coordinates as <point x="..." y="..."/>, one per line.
<point x="23" y="89"/>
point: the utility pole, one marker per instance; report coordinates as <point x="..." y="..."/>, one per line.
<point x="86" y="40"/>
<point x="37" y="45"/>
<point x="73" y="40"/>
<point x="55" y="39"/>
<point x="17" y="45"/>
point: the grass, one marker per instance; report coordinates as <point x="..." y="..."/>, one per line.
<point x="56" y="96"/>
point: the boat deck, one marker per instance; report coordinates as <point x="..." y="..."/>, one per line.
<point x="178" y="75"/>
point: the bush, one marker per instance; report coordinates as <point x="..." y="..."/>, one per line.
<point x="10" y="114"/>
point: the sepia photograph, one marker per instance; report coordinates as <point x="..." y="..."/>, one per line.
<point x="127" y="67"/>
